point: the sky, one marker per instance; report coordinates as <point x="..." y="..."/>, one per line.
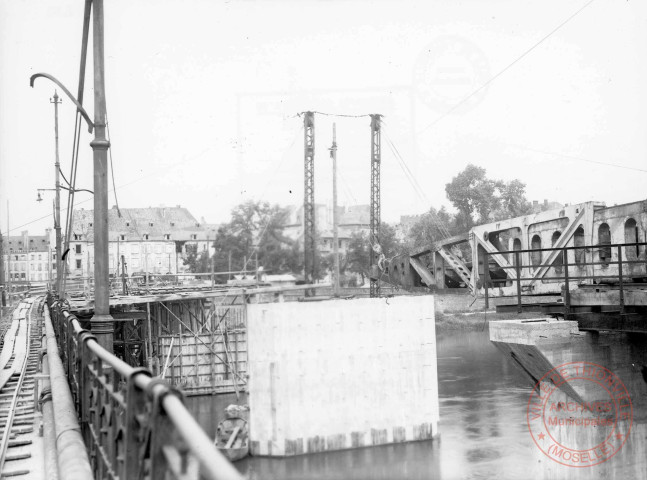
<point x="204" y="97"/>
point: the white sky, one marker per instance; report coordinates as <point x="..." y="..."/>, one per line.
<point x="203" y="95"/>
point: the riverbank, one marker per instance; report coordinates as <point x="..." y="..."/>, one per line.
<point x="475" y="321"/>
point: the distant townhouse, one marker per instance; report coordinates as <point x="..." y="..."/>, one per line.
<point x="154" y="240"/>
<point x="28" y="258"/>
<point x="351" y="220"/>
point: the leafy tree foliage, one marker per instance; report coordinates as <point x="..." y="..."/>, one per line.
<point x="358" y="257"/>
<point x="427" y="229"/>
<point x="479" y="199"/>
<point x="255" y="229"/>
<point x="198" y="262"/>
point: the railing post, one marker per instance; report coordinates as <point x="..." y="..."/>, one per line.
<point x="567" y="288"/>
<point x="486" y="279"/>
<point x="517" y="265"/>
<point x="168" y="452"/>
<point x="621" y="285"/>
<point x="137" y="430"/>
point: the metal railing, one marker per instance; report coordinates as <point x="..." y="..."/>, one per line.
<point x="569" y="273"/>
<point x="134" y="426"/>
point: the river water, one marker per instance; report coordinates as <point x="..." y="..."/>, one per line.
<point x="483" y="430"/>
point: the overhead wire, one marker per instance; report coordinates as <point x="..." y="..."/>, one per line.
<point x="112" y="170"/>
<point x="510" y="65"/>
<point x="438" y="223"/>
<point x="572" y="157"/>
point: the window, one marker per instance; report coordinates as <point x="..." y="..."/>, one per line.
<point x="134" y="248"/>
<point x="535" y="257"/>
<point x="150" y="224"/>
<point x="22" y="276"/>
<point x="167" y="236"/>
<point x="631" y="236"/>
<point x="194" y="237"/>
<point x="172" y="224"/>
<point x="40" y="257"/>
<point x="122" y="237"/>
<point x="158" y="248"/>
<point x="76" y="237"/>
<point x="33" y="257"/>
<point x="77" y="248"/>
<point x="78" y="264"/>
<point x="169" y="248"/>
<point x="604" y="241"/>
<point x="145" y="236"/>
<point x="559" y="261"/>
<point x="89" y="224"/>
<point x="33" y="267"/>
<point x="578" y="241"/>
<point x="40" y="266"/>
<point x="128" y="224"/>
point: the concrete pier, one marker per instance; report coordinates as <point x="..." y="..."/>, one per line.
<point x="341" y="374"/>
<point x="610" y="380"/>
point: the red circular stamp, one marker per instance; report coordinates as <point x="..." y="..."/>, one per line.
<point x="580" y="414"/>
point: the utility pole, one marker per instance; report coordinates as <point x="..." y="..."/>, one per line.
<point x="101" y="323"/>
<point x="2" y="276"/>
<point x="57" y="204"/>
<point x="375" y="252"/>
<point x="335" y="232"/>
<point x="8" y="259"/>
<point x="229" y="270"/>
<point x="124" y="288"/>
<point x="309" y="227"/>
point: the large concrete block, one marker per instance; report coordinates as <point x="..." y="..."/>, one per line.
<point x="341" y="374"/>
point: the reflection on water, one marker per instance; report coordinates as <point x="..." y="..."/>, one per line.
<point x="483" y="430"/>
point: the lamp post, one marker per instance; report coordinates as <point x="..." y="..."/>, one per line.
<point x="101" y="323"/>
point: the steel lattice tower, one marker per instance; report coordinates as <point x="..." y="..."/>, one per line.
<point x="376" y="156"/>
<point x="309" y="241"/>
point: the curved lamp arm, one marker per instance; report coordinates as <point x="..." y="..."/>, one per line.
<point x="67" y="92"/>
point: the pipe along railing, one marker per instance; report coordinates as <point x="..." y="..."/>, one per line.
<point x="134" y="426"/>
<point x="561" y="267"/>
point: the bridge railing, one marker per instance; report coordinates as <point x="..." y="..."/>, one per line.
<point x="575" y="265"/>
<point x="134" y="426"/>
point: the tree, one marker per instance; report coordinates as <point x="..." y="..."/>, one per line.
<point x="256" y="231"/>
<point x="198" y="262"/>
<point x="479" y="199"/>
<point x="432" y="227"/>
<point x="358" y="256"/>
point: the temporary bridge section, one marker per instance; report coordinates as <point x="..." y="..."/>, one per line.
<point x="197" y="341"/>
<point x="530" y="247"/>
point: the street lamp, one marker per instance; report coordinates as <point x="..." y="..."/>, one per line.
<point x="101" y="322"/>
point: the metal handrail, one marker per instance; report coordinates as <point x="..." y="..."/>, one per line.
<point x="580" y="247"/>
<point x="564" y="269"/>
<point x="135" y="426"/>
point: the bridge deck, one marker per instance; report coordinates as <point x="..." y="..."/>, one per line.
<point x="21" y="446"/>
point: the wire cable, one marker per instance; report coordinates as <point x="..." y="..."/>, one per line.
<point x="112" y="170"/>
<point x="510" y="65"/>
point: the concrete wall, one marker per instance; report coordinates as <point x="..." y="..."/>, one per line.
<point x="341" y="374"/>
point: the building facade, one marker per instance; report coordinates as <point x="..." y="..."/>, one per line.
<point x="155" y="240"/>
<point x="28" y="258"/>
<point x="351" y="220"/>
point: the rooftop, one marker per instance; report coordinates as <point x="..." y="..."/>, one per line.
<point x="159" y="223"/>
